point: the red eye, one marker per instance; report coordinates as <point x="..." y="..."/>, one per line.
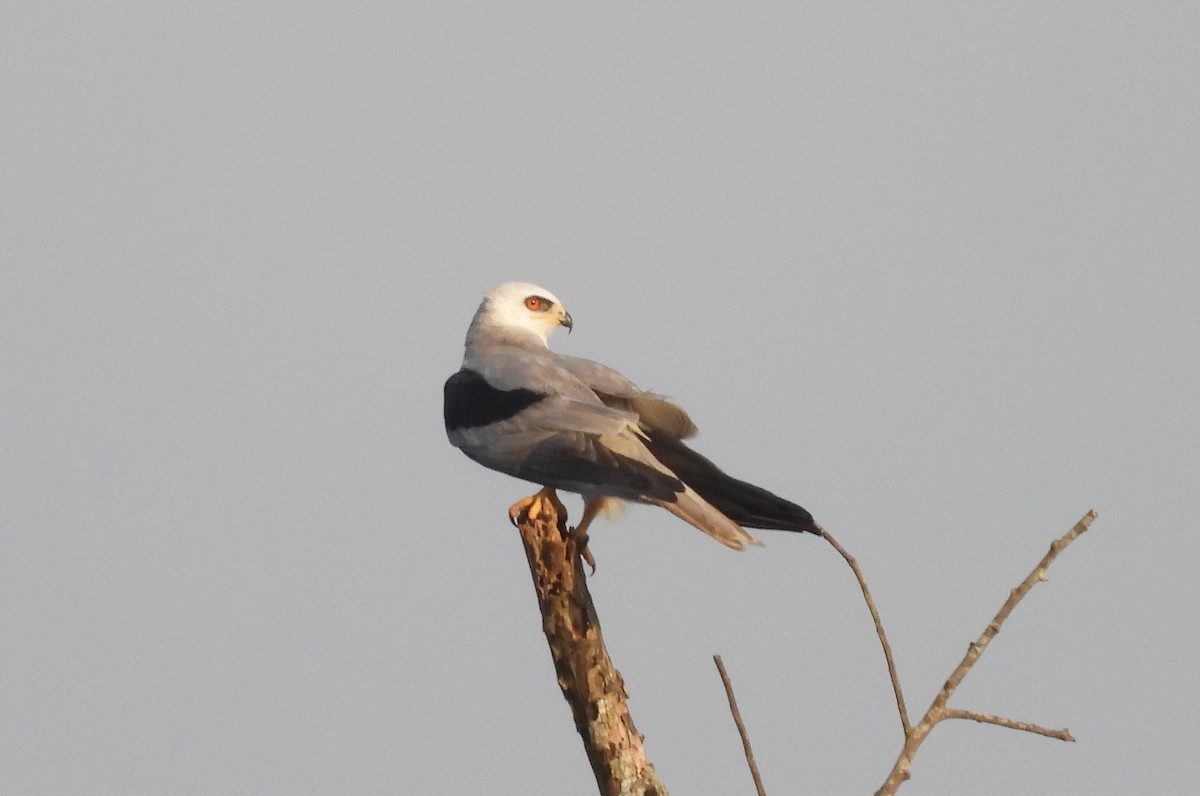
<point x="536" y="303"/>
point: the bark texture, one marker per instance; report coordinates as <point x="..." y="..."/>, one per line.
<point x="590" y="683"/>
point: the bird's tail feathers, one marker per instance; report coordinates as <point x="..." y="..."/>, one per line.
<point x="742" y="502"/>
<point x="695" y="510"/>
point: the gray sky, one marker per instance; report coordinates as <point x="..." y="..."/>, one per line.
<point x="930" y="271"/>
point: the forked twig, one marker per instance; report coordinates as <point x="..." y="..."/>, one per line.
<point x="938" y="710"/>
<point x="741" y="728"/>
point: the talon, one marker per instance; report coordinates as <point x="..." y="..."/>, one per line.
<point x="591" y="507"/>
<point x="533" y="506"/>
<point x="584" y="551"/>
<point x="520" y="507"/>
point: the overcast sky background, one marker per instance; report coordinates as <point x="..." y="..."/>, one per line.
<point x="930" y="271"/>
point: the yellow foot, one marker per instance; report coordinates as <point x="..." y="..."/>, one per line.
<point x="534" y="506"/>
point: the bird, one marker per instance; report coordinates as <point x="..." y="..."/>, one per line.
<point x="571" y="424"/>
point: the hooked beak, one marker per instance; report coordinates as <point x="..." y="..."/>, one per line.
<point x="565" y="320"/>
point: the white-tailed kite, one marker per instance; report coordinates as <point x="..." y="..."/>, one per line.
<point x="576" y="425"/>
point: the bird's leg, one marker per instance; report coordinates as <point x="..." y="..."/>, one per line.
<point x="591" y="508"/>
<point x="533" y="506"/>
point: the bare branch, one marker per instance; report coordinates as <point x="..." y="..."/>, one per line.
<point x="985" y="718"/>
<point x="741" y="728"/>
<point x="938" y="710"/>
<point x="590" y="683"/>
<point x="883" y="640"/>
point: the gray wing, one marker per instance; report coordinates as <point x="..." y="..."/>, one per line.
<point x="655" y="413"/>
<point x="664" y="426"/>
<point x="556" y="430"/>
<point x="574" y="445"/>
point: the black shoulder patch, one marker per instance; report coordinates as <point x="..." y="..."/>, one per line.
<point x="470" y="401"/>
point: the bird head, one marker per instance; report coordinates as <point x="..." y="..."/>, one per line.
<point x="522" y="306"/>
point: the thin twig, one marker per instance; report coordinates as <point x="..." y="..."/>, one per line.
<point x="883" y="639"/>
<point x="938" y="710"/>
<point x="986" y="718"/>
<point x="741" y="728"/>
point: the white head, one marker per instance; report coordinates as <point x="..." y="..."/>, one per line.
<point x="516" y="308"/>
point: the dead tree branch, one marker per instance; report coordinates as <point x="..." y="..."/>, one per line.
<point x="883" y="640"/>
<point x="596" y="692"/>
<point x="590" y="683"/>
<point x="741" y="728"/>
<point x="938" y="710"/>
<point x="1000" y="721"/>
